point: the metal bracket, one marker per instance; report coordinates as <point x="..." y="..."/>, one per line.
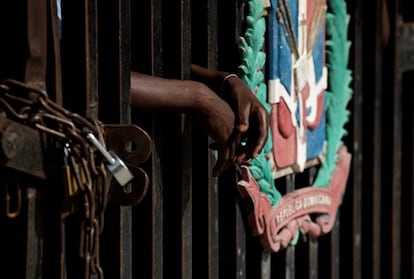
<point x="129" y="142"/>
<point x="134" y="146"/>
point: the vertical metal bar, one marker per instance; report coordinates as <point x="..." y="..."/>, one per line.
<point x="56" y="51"/>
<point x="187" y="210"/>
<point x="91" y="58"/>
<point x="290" y="262"/>
<point x="125" y="213"/>
<point x="212" y="33"/>
<point x="157" y="183"/>
<point x="34" y="251"/>
<point x="35" y="75"/>
<point x="357" y="140"/>
<point x="234" y="222"/>
<point x="62" y="256"/>
<point x="240" y="227"/>
<point x="213" y="229"/>
<point x="313" y="242"/>
<point x="313" y="258"/>
<point x="377" y="146"/>
<point x="240" y="245"/>
<point x="213" y="204"/>
<point x="206" y="200"/>
<point x="290" y="250"/>
<point x="186" y="201"/>
<point x="335" y="247"/>
<point x="412" y="193"/>
<point x="186" y="175"/>
<point x="156" y="40"/>
<point x="185" y="38"/>
<point x="396" y="154"/>
<point x="57" y="71"/>
<point x="157" y="254"/>
<point x="124" y="32"/>
<point x="266" y="271"/>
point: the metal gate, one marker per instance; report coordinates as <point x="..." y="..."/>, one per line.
<point x="191" y="224"/>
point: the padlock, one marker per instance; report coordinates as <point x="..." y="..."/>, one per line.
<point x="71" y="185"/>
<point x="114" y="164"/>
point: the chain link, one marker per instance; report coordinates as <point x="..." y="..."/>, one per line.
<point x="32" y="107"/>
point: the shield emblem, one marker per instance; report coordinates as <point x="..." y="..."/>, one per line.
<point x="297" y="81"/>
<point x="305" y="43"/>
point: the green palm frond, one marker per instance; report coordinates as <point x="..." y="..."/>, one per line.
<point x="339" y="91"/>
<point x="253" y="62"/>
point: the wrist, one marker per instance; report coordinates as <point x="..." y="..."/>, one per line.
<point x="202" y="97"/>
<point x="206" y="100"/>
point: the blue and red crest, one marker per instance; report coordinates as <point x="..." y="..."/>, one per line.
<point x="307" y="51"/>
<point x="297" y="81"/>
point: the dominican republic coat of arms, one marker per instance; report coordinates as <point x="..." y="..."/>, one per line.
<point x="303" y="46"/>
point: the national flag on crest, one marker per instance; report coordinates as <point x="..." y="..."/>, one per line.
<point x="297" y="81"/>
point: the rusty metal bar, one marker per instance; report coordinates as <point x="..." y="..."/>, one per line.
<point x="35" y="75"/>
<point x="187" y="143"/>
<point x="157" y="192"/>
<point x="91" y="63"/>
<point x="124" y="69"/>
<point x="186" y="201"/>
<point x="124" y="58"/>
<point x="21" y="148"/>
<point x="91" y="57"/>
<point x="157" y="253"/>
<point x="57" y="69"/>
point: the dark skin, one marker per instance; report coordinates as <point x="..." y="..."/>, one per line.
<point x="228" y="111"/>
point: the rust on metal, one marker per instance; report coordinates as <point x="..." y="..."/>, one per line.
<point x="130" y="142"/>
<point x="21" y="148"/>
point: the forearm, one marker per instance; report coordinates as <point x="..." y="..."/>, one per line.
<point x="154" y="94"/>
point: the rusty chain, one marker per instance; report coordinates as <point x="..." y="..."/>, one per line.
<point x="31" y="106"/>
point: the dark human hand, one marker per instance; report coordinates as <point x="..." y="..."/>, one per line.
<point x="217" y="120"/>
<point x="252" y="119"/>
<point x="154" y="94"/>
